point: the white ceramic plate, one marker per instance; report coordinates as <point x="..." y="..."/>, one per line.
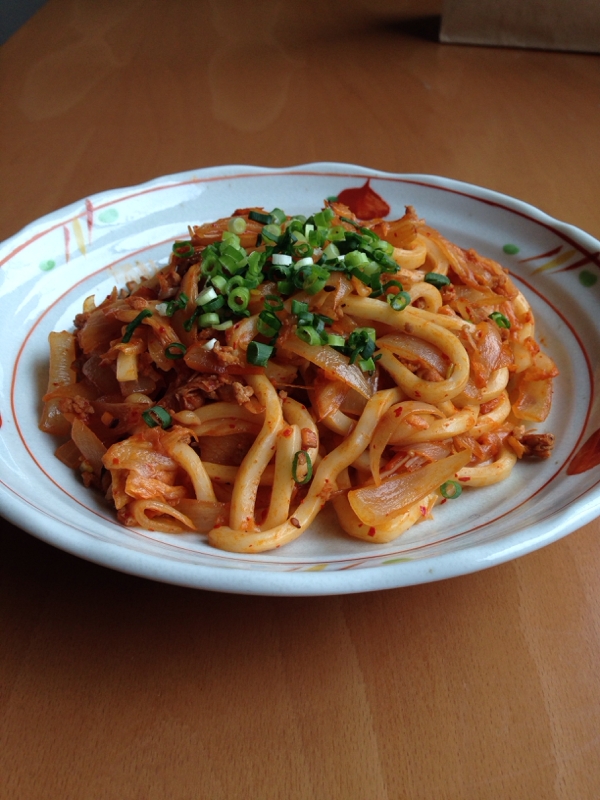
<point x="48" y="269"/>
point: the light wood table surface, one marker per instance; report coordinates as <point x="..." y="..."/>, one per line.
<point x="111" y="686"/>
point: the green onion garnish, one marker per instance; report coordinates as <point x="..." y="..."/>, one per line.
<point x="268" y="324"/>
<point x="451" y="490"/>
<point x="134" y="323"/>
<point x="206" y="295"/>
<point x="333" y="339"/>
<point x="302" y="250"/>
<point x="183" y="249"/>
<point x="398" y="301"/>
<point x="308" y="334"/>
<point x="258" y="354"/>
<point x="271" y="232"/>
<point x="237" y="225"/>
<point x="208" y="320"/>
<point x="273" y="302"/>
<point x="278" y="216"/>
<point x="258" y="216"/>
<point x="157" y="416"/>
<point x="175" y="350"/>
<point x="238" y="299"/>
<point x="215" y="304"/>
<point x="500" y="320"/>
<point x="303" y="458"/>
<point x="298" y="307"/>
<point x="437" y="280"/>
<point x="176" y="305"/>
<point x="366" y="365"/>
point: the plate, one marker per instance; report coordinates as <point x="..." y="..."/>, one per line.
<point x="48" y="269"/>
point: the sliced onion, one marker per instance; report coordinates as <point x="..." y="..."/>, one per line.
<point x="387" y="425"/>
<point x="378" y="505"/>
<point x="330" y="360"/>
<point x="88" y="444"/>
<point x="204" y="514"/>
<point x="415" y="349"/>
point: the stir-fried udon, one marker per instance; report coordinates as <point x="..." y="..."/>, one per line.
<point x="279" y="363"/>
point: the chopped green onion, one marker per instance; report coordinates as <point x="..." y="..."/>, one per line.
<point x="268" y="324"/>
<point x="308" y="334"/>
<point x="367" y="365"/>
<point x="281" y="259"/>
<point x="230" y="239"/>
<point x="208" y="320"/>
<point x="205" y="296"/>
<point x="238" y="299"/>
<point x="237" y="225"/>
<point x="286" y="287"/>
<point x="298" y="307"/>
<point x="189" y="323"/>
<point x="451" y="490"/>
<point x="183" y="249"/>
<point x="331" y="251"/>
<point x="210" y="344"/>
<point x="500" y="320"/>
<point x="304" y="262"/>
<point x="258" y="216"/>
<point x="315" y="280"/>
<point x="177" y="305"/>
<point x="258" y="354"/>
<point x="436" y="279"/>
<point x="336" y="234"/>
<point x="399" y="301"/>
<point x="215" y="304"/>
<point x="271" y="232"/>
<point x="273" y="302"/>
<point x="232" y="283"/>
<point x="278" y="216"/>
<point x="317" y="237"/>
<point x="134" y="323"/>
<point x="175" y="350"/>
<point x="389" y="284"/>
<point x="302" y="249"/>
<point x="334" y="340"/>
<point x="222" y="326"/>
<point x="303" y="458"/>
<point x="219" y="282"/>
<point x="356" y="259"/>
<point x="323" y="218"/>
<point x="384" y="260"/>
<point x="155" y="416"/>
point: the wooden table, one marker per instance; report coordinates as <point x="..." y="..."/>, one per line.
<point x="485" y="686"/>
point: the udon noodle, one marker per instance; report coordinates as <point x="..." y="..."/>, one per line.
<point x="279" y="363"/>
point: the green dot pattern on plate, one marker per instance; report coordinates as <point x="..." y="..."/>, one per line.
<point x="587" y="278"/>
<point x="511" y="249"/>
<point x="108" y="215"/>
<point x="46" y="266"/>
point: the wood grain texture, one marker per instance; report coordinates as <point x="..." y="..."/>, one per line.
<point x="112" y="686"/>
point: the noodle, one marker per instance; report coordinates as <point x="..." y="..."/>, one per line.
<point x="278" y="363"/>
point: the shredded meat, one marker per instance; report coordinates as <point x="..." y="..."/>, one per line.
<point x="77" y="405"/>
<point x="242" y="393"/>
<point x="226" y="355"/>
<point x="137" y="302"/>
<point x="192" y="394"/>
<point x="538" y="445"/>
<point x="309" y="438"/>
